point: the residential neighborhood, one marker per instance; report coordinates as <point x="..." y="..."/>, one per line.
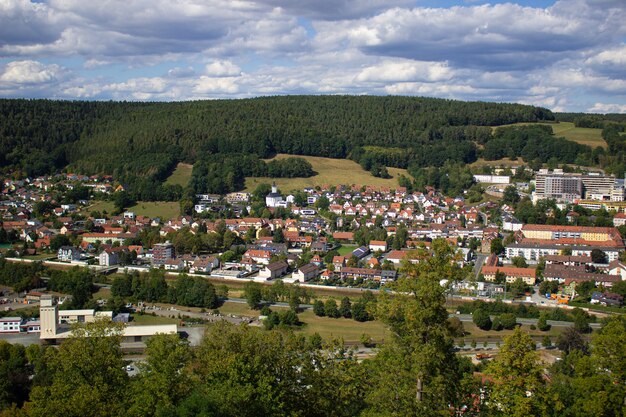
<point x="352" y="236"/>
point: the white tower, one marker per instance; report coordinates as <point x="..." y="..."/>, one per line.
<point x="48" y="317"/>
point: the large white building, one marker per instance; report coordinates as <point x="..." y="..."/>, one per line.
<point x="274" y="199"/>
<point x="569" y="187"/>
<point x="55" y="324"/>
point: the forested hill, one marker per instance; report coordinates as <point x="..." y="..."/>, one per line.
<point x="146" y="140"/>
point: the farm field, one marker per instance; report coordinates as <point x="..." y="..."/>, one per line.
<point x="331" y="172"/>
<point x="180" y="176"/>
<point x="582" y="135"/>
<point x="163" y="209"/>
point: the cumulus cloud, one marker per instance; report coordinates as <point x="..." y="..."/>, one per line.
<point x="556" y="56"/>
<point x="607" y="108"/>
<point x="405" y="70"/>
<point x="31" y="72"/>
<point x="222" y="69"/>
<point x="503" y="36"/>
<point x="336" y="9"/>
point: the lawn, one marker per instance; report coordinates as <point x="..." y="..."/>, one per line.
<point x="148" y="319"/>
<point x="180" y="176"/>
<point x="242" y="309"/>
<point x="347" y="329"/>
<point x="582" y="135"/>
<point x="100" y="206"/>
<point x="346" y="250"/>
<point x="329" y="172"/>
<point x="163" y="209"/>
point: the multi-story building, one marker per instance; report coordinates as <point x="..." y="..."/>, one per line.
<point x="535" y="241"/>
<point x="569" y="187"/>
<point x="161" y="253"/>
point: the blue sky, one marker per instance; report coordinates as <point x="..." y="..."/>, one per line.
<point x="567" y="55"/>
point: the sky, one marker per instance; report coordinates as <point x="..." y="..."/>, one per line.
<point x="566" y="55"/>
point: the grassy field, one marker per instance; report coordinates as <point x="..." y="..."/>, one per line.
<point x="180" y="176"/>
<point x="163" y="209"/>
<point x="147" y="319"/>
<point x="582" y="135"/>
<point x="100" y="206"/>
<point x="329" y="172"/>
<point x="347" y="329"/>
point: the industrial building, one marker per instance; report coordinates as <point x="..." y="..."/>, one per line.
<point x="56" y="324"/>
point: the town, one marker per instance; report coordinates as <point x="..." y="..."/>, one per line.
<point x="340" y="235"/>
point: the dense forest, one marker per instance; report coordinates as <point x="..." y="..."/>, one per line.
<point x="141" y="143"/>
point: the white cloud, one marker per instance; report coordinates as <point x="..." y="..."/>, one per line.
<point x="607" y="108"/>
<point x="31" y="72"/>
<point x="557" y="56"/>
<point x="405" y="70"/>
<point x="222" y="69"/>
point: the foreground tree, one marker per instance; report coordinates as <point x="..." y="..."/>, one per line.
<point x="418" y="373"/>
<point x="164" y="379"/>
<point x="244" y="371"/>
<point x="87" y="376"/>
<point x="518" y="381"/>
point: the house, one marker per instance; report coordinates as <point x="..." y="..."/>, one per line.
<point x="607" y="299"/>
<point x="618" y="268"/>
<point x="10" y="324"/>
<point x="306" y="272"/>
<point x="365" y="273"/>
<point x="174" y="264"/>
<point x="108" y="258"/>
<point x="619" y="219"/>
<point x="577" y="274"/>
<point x="68" y="254"/>
<point x="204" y="265"/>
<point x="339" y="261"/>
<point x="528" y="275"/>
<point x="273" y="271"/>
<point x="258" y="255"/>
<point x="361" y="252"/>
<point x="378" y="245"/>
<point x="343" y="236"/>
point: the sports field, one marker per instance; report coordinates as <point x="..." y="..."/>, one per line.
<point x="329" y="172"/>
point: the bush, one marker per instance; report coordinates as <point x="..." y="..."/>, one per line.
<point x="331" y="309"/>
<point x="318" y="308"/>
<point x="497" y="324"/>
<point x="482" y="320"/>
<point x="542" y="323"/>
<point x="508" y="321"/>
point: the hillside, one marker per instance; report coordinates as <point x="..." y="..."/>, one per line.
<point x="141" y="144"/>
<point x="584" y="135"/>
<point x="329" y="172"/>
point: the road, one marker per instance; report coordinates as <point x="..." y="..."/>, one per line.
<point x="480" y="260"/>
